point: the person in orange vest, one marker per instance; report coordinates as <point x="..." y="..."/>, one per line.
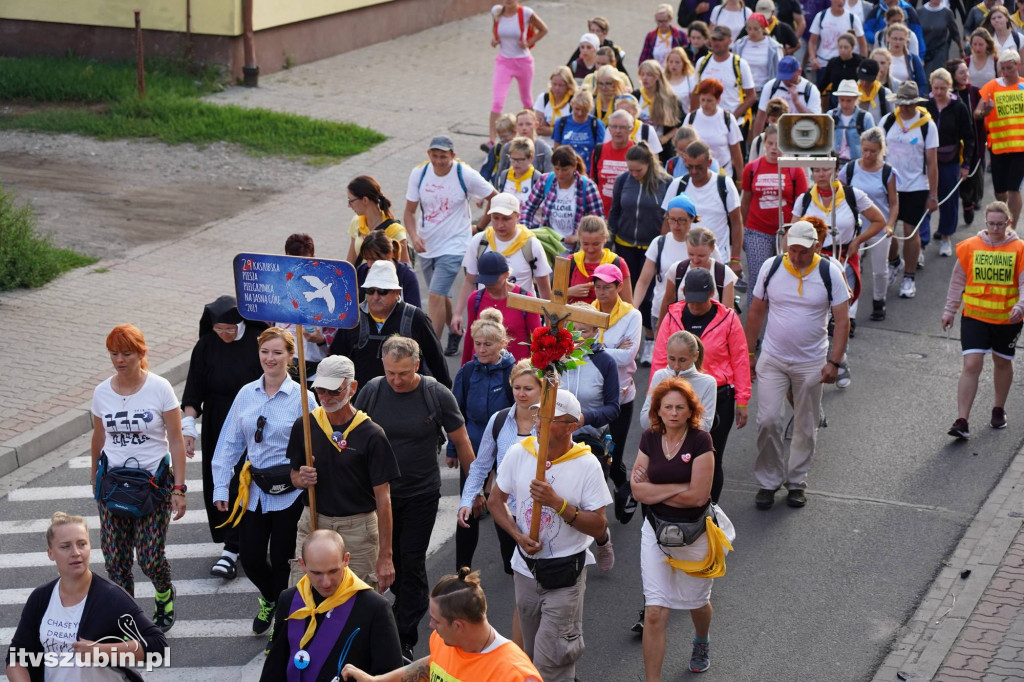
<point x="463" y="646"/>
<point x="1002" y="106"/>
<point x="988" y="276"/>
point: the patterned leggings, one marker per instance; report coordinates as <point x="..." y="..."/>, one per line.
<point x="146" y="537"/>
<point x="759" y="247"/>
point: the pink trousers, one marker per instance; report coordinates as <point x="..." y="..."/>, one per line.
<point x="505" y="69"/>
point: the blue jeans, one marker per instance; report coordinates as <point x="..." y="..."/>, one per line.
<point x="440" y="272"/>
<point x="949" y="173"/>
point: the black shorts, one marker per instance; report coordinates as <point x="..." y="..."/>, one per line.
<point x="977" y="336"/>
<point x="1007" y="172"/>
<point x="912" y="206"/>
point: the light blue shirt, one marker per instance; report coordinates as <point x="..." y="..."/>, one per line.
<point x="238" y="436"/>
<point x="507" y="437"/>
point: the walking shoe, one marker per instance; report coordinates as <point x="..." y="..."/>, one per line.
<point x="765" y="498"/>
<point x="224" y="568"/>
<point x="700" y="659"/>
<point x="843" y="378"/>
<point x="908" y="289"/>
<point x="486" y="147"/>
<point x="261" y="623"/>
<point x="946" y="248"/>
<point x="853" y="328"/>
<point x="270" y="643"/>
<point x="163" y="618"/>
<point x="638" y="626"/>
<point x="968" y="214"/>
<point x="605" y="554"/>
<point x="877" y="311"/>
<point x="960" y="429"/>
<point x="998" y="418"/>
<point x="648" y="353"/>
<point x="796" y="498"/>
<point x="740" y="284"/>
<point x="920" y="258"/>
<point x="453" y="344"/>
<point x="896" y="269"/>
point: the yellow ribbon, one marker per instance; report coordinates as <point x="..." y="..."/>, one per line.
<point x="320" y="414"/>
<point x="577" y="450"/>
<point x="602" y="115"/>
<point x="364" y="229"/>
<point x="579" y="256"/>
<point x="1018" y="22"/>
<point x="925" y="118"/>
<point x="666" y="38"/>
<point x="869" y="96"/>
<point x="619" y="311"/>
<point x="636" y="127"/>
<point x="556" y="109"/>
<point x="242" y="500"/>
<point x="772" y="23"/>
<point x="518" y="243"/>
<point x="713" y="565"/>
<point x="798" y="274"/>
<point x="838" y="196"/>
<point x="646" y="101"/>
<point x="350" y="584"/>
<point x="519" y="183"/>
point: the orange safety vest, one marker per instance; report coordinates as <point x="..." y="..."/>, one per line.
<point x="1005" y="123"/>
<point x="992" y="276"/>
<point x="507" y="663"/>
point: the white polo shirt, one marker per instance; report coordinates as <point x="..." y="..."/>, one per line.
<point x="518" y="267"/>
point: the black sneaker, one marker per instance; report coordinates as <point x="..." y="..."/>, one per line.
<point x="453" y="345"/>
<point x="270" y="643"/>
<point x="796" y="498"/>
<point x="960" y="430"/>
<point x="163" y="618"/>
<point x="700" y="659"/>
<point x="969" y="214"/>
<point x="261" y="623"/>
<point x="853" y="328"/>
<point x="638" y="626"/>
<point x="765" y="498"/>
<point x="877" y="311"/>
<point x="998" y="418"/>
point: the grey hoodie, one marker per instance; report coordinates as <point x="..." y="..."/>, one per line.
<point x="958" y="280"/>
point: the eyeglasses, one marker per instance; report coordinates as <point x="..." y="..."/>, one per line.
<point x="678" y="221"/>
<point x="260" y="423"/>
<point x="226" y="330"/>
<point x="618" y="128"/>
<point x="990" y="223"/>
<point x="377" y="292"/>
<point x="520" y="159"/>
<point x="352" y="201"/>
<point x="324" y="391"/>
<point x="602" y="84"/>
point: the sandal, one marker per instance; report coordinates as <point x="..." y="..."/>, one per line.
<point x="224" y="568"/>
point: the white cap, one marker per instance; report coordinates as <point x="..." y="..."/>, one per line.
<point x="504" y="204"/>
<point x="565" y="404"/>
<point x="592" y="39"/>
<point x="847" y="88"/>
<point x="802" y="233"/>
<point x="382" y="275"/>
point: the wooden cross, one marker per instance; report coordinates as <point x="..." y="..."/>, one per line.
<point x="556" y="313"/>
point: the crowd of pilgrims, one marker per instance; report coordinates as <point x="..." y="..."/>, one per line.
<point x="663" y="187"/>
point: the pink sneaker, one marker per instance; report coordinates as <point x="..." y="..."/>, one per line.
<point x="605" y="555"/>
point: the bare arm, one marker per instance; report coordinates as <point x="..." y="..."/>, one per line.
<point x="642" y="284"/>
<point x="468" y="285"/>
<point x="876" y="224"/>
<point x="668" y="298"/>
<point x="539" y="27"/>
<point x="749" y="100"/>
<point x="863" y="46"/>
<point x="840" y="336"/>
<point x="417" y="671"/>
<point x="351" y="257"/>
<point x="176" y="443"/>
<point x="755" y="320"/>
<point x="543" y="287"/>
<point x="812" y="51"/>
<point x="757" y="127"/>
<point x="699" y="489"/>
<point x="651" y="493"/>
<point x="99" y="437"/>
<point x="409" y="221"/>
<point x="736" y="235"/>
<point x="15" y="673"/>
<point x="385" y="567"/>
<point x="463" y="447"/>
<point x="626" y="293"/>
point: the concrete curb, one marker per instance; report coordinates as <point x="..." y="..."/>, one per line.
<point x="934" y="628"/>
<point x="54" y="433"/>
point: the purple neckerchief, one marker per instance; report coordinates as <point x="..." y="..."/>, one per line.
<point x="324" y="639"/>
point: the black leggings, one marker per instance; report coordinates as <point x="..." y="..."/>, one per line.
<point x="635" y="258"/>
<point x="275" y="529"/>
<point x="725" y="414"/>
<point x="619" y="429"/>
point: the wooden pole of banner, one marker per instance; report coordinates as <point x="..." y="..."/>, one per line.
<point x="306" y="436"/>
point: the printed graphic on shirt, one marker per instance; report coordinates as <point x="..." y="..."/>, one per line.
<point x="124" y="427"/>
<point x="609" y="171"/>
<point x="1009" y="103"/>
<point x="994" y="267"/>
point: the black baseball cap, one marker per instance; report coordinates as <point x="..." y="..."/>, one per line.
<point x="868" y="70"/>
<point x="698" y="285"/>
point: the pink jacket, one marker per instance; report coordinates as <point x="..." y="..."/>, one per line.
<point x="725" y="347"/>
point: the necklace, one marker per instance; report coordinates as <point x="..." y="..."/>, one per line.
<point x="672" y="448"/>
<point x="128" y="392"/>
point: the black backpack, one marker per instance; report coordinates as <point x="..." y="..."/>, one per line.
<point x="431" y="387"/>
<point x="886" y="174"/>
<point x="404" y="327"/>
<point x="851" y="202"/>
<point x="823" y="271"/>
<point x="499" y="420"/>
<point x="719" y="274"/>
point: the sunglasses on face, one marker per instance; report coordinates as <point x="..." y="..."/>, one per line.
<point x="377" y="292"/>
<point x="324" y="391"/>
<point x="260" y="423"/>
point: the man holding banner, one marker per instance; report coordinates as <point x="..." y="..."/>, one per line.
<point x="1002" y="107"/>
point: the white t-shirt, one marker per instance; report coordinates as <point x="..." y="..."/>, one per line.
<point x="728" y="278"/>
<point x="563" y="212"/>
<point x="630" y="326"/>
<point x="1013" y="42"/>
<point x="907" y="151"/>
<point x="844" y="217"/>
<point x="828" y="27"/>
<point x="58" y="631"/>
<point x="709" y="207"/>
<point x="725" y="73"/>
<point x="546" y="111"/>
<point x="134" y="424"/>
<point x="446" y="223"/>
<point x="736" y="20"/>
<point x="579" y="481"/>
<point x="899" y="70"/>
<point x="518" y="268"/>
<point x="683" y="90"/>
<point x="672" y="252"/>
<point x="644" y="132"/>
<point x="796" y="328"/>
<point x="713" y="131"/>
<point x="756" y="55"/>
<point x="509" y="34"/>
<point x="806" y="90"/>
<point x="524" y="186"/>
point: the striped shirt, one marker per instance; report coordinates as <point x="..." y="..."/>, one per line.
<point x="238" y="438"/>
<point x="507" y="437"/>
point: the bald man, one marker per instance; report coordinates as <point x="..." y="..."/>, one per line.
<point x="329" y="610"/>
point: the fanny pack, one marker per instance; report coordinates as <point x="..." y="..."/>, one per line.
<point x="554" y="574"/>
<point x="679" y="533"/>
<point x="131" y="491"/>
<point x="948" y="152"/>
<point x="275" y="480"/>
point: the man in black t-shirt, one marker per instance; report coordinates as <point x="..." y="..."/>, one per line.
<point x="353" y="467"/>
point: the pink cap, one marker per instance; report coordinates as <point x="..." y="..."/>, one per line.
<point x="608" y="273"/>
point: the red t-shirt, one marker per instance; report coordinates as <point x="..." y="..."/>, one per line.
<point x="519" y="324"/>
<point x="577" y="277"/>
<point x="611" y="165"/>
<point x="761" y="179"/>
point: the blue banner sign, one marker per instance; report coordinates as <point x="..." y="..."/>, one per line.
<point x="308" y="291"/>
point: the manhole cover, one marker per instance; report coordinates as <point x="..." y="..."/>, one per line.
<point x="915" y="356"/>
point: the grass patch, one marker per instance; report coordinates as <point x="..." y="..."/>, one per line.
<point x="171" y="112"/>
<point x="27" y="258"/>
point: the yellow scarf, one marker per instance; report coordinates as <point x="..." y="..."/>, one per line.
<point x="602" y="115"/>
<point x="518" y="243"/>
<point x="636" y="127"/>
<point x="714" y="565"/>
<point x="838" y="196"/>
<point x="619" y="311"/>
<point x="665" y="38"/>
<point x="364" y="229"/>
<point x="519" y="182"/>
<point x="984" y="10"/>
<point x="242" y="499"/>
<point x="772" y="23"/>
<point x="579" y="256"/>
<point x="1017" y="20"/>
<point x="869" y="96"/>
<point x="577" y="450"/>
<point x="556" y="108"/>
<point x="798" y="274"/>
<point x="925" y="118"/>
<point x="646" y="101"/>
<point x="350" y="584"/>
<point x="320" y="414"/>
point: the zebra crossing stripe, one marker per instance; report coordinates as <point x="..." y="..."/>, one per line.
<point x="189" y="629"/>
<point x="68" y="492"/>
<point x="144" y="589"/>
<point x="39" y="526"/>
<point x="206" y="550"/>
<point x="85" y="461"/>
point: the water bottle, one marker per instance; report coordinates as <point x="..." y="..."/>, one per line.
<point x="609" y="448"/>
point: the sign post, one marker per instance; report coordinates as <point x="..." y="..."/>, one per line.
<point x="299" y="291"/>
<point x="556" y="313"/>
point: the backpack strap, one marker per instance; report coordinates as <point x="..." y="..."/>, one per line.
<point x="559" y="131"/>
<point x="805" y="203"/>
<point x="499" y="421"/>
<point x="364" y="332"/>
<point x="593" y="129"/>
<point x="405" y="326"/>
<point x="888" y="122"/>
<point x="430" y="388"/>
<point x="595" y="159"/>
<point x="826" y="277"/>
<point x="859" y="119"/>
<point x="548" y="181"/>
<point x="723" y="194"/>
<point x="886" y="174"/>
<point x="720" y="280"/>
<point x="462" y="182"/>
<point x="771" y="272"/>
<point x="386" y="224"/>
<point x="691" y="117"/>
<point x="851" y="202"/>
<point x="681" y="268"/>
<point x="684" y="182"/>
<point x="657" y="259"/>
<point x="476" y="303"/>
<point x="848" y="172"/>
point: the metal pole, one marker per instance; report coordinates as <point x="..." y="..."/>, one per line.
<point x="140" y="68"/>
<point x="306" y="436"/>
<point x="250" y="71"/>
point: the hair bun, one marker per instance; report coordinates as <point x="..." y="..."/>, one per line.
<point x="464" y="573"/>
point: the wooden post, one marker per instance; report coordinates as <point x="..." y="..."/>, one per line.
<point x="556" y="313"/>
<point x="306" y="436"/>
<point x="140" y="68"/>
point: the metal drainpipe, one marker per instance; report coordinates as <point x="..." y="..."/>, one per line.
<point x="250" y="71"/>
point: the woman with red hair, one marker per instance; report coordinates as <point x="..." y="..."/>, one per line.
<point x="716" y="127"/>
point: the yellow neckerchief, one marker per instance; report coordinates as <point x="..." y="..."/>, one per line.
<point x="242" y="499"/>
<point x="869" y="96"/>
<point x="602" y="115"/>
<point x="636" y="127"/>
<point x="606" y="257"/>
<point x="798" y="274"/>
<point x="378" y="320"/>
<point x="772" y="23"/>
<point x="577" y="450"/>
<point x="619" y="311"/>
<point x="1017" y="20"/>
<point x="984" y="10"/>
<point x="350" y="584"/>
<point x="925" y="118"/>
<point x="666" y="38"/>
<point x="519" y="182"/>
<point x="518" y="243"/>
<point x="714" y="565"/>
<point x="364" y="229"/>
<point x="320" y="414"/>
<point x="556" y="109"/>
<point x="646" y="101"/>
<point x="838" y="196"/>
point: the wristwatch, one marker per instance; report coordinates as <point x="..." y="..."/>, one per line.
<point x="835" y="364"/>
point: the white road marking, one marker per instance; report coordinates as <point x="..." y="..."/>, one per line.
<point x="144" y="589"/>
<point x="85" y="461"/>
<point x="67" y="492"/>
<point x="193" y="516"/>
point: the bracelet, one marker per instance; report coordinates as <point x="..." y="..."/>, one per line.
<point x="565" y="503"/>
<point x="178" y="492"/>
<point x="575" y="514"/>
<point x="834" y="363"/>
<point x="751" y="354"/>
<point x="734" y="260"/>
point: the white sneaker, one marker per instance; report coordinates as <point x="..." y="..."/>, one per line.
<point x="895" y="272"/>
<point x="920" y="259"/>
<point x="908" y="289"/>
<point x="605" y="554"/>
<point x="946" y="248"/>
<point x="647" y="354"/>
<point x="843" y="380"/>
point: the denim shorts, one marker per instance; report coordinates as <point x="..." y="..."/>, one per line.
<point x="440" y="272"/>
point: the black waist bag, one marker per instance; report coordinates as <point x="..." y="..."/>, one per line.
<point x="273" y="480"/>
<point x="679" y="533"/>
<point x="554" y="574"/>
<point x="131" y="491"/>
